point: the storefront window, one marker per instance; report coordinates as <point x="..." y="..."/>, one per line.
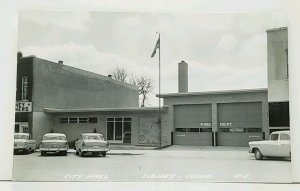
<point x="119" y="129"/>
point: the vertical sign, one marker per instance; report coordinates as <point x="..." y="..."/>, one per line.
<point x="23" y="106"/>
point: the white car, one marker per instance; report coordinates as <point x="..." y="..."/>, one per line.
<point x="54" y="143"/>
<point x="24" y="143"/>
<point x="91" y="143"/>
<point x="278" y="145"/>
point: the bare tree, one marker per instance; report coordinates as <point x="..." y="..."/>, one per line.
<point x="144" y="83"/>
<point x="120" y="74"/>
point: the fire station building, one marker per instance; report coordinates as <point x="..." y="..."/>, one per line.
<point x="54" y="97"/>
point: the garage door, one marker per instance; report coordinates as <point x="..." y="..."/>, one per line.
<point x="239" y="123"/>
<point x="193" y="125"/>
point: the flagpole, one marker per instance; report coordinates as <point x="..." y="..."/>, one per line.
<point x="159" y="104"/>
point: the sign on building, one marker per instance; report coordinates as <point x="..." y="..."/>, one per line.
<point x="23" y="106"/>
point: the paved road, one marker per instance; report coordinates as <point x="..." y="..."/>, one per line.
<point x="176" y="163"/>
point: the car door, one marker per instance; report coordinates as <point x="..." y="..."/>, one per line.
<point x="271" y="146"/>
<point x="284" y="145"/>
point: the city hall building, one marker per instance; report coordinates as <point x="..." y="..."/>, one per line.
<point x="53" y="97"/>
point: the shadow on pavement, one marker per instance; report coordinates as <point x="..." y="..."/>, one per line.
<point x="274" y="159"/>
<point x="125" y="153"/>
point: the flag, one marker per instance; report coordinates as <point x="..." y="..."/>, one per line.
<point x="156" y="47"/>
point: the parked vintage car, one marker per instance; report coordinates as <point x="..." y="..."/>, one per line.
<point x="278" y="145"/>
<point x="24" y="143"/>
<point x="92" y="144"/>
<point x="54" y="143"/>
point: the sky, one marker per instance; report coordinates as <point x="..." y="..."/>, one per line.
<point x="223" y="51"/>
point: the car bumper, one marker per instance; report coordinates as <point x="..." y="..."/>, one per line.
<point x="94" y="149"/>
<point x="20" y="147"/>
<point x="53" y="149"/>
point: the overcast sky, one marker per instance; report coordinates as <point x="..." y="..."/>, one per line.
<point x="223" y="51"/>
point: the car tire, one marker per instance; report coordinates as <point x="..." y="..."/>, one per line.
<point x="63" y="153"/>
<point x="257" y="154"/>
<point x="95" y="154"/>
<point x="103" y="154"/>
<point x="81" y="154"/>
<point x="43" y="153"/>
<point x="76" y="152"/>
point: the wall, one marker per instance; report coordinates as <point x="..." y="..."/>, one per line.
<point x="278" y="82"/>
<point x="41" y="124"/>
<point x="140" y="125"/>
<point x="24" y="68"/>
<point x="60" y="86"/>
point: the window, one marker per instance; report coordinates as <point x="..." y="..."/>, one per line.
<point x="118" y="119"/>
<point x="205" y="129"/>
<point x="127" y="119"/>
<point x="284" y="137"/>
<point x="63" y="120"/>
<point x="279" y="115"/>
<point x="236" y="130"/>
<point x="252" y="130"/>
<point x="83" y="120"/>
<point x="192" y="129"/>
<point x="180" y="129"/>
<point x="232" y="130"/>
<point x="73" y="120"/>
<point x="110" y="119"/>
<point x="93" y="120"/>
<point x="225" y="130"/>
<point x="274" y="137"/>
<point x="118" y="129"/>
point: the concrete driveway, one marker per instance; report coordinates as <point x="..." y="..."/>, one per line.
<point x="175" y="163"/>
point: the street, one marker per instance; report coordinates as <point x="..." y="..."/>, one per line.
<point x="175" y="163"/>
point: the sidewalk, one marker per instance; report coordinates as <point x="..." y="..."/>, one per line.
<point x="204" y="148"/>
<point x="130" y="147"/>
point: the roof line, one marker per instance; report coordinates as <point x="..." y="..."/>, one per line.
<point x="130" y="109"/>
<point x="277" y="29"/>
<point x="88" y="74"/>
<point x="212" y="92"/>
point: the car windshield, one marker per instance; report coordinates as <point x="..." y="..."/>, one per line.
<point x="54" y="137"/>
<point x="274" y="137"/>
<point x="21" y="137"/>
<point x="93" y="137"/>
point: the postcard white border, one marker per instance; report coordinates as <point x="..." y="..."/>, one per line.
<point x="8" y="39"/>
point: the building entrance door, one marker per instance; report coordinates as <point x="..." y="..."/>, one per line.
<point x="118" y="129"/>
<point x="21" y="127"/>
